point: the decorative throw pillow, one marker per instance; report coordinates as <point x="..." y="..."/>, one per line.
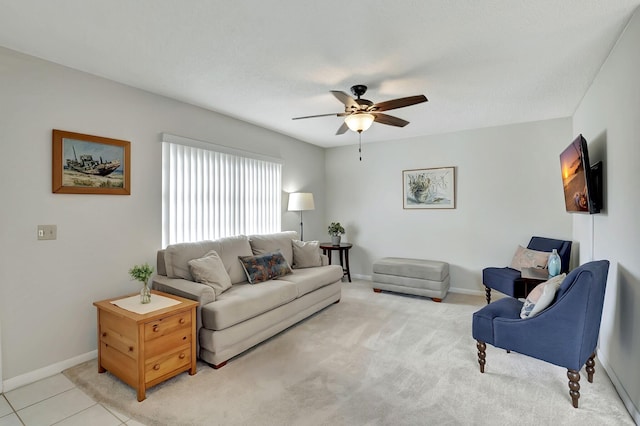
<point x="527" y="258"/>
<point x="264" y="267"/>
<point x="306" y="254"/>
<point x="210" y="270"/>
<point x="541" y="297"/>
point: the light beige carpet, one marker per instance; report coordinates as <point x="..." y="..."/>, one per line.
<point x="372" y="359"/>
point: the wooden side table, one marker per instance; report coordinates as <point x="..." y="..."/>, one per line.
<point x="146" y="349"/>
<point x="343" y="254"/>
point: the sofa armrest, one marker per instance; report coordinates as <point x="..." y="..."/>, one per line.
<point x="184" y="288"/>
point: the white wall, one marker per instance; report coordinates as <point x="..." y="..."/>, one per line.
<point x="508" y="188"/>
<point x="1" y="382"/>
<point x="609" y="118"/>
<point x="47" y="287"/>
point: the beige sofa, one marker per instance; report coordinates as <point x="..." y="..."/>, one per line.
<point x="246" y="314"/>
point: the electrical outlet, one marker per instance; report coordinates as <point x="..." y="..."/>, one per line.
<point x="47" y="232"/>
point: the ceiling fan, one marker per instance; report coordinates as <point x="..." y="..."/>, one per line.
<point x="360" y="113"/>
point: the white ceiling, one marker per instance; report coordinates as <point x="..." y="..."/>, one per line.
<point x="480" y="62"/>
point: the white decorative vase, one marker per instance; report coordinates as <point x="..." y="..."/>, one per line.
<point x="335" y="240"/>
<point x="554" y="264"/>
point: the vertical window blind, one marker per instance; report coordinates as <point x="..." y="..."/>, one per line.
<point x="207" y="194"/>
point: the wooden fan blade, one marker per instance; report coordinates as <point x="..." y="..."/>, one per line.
<point x="399" y="103"/>
<point x="389" y="119"/>
<point x="342" y="129"/>
<point x="337" y="114"/>
<point x="347" y="100"/>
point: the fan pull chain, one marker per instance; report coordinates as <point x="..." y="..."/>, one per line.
<point x="360" y="144"/>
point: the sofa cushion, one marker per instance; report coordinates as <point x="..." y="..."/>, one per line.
<point x="264" y="267"/>
<point x="527" y="258"/>
<point x="177" y="256"/>
<point x="210" y="270"/>
<point x="244" y="301"/>
<point x="306" y="254"/>
<point x="229" y="249"/>
<point x="310" y="279"/>
<point x="269" y="243"/>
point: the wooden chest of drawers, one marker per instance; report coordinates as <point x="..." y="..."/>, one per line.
<point x="146" y="349"/>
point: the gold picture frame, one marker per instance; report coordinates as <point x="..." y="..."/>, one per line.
<point x="87" y="164"/>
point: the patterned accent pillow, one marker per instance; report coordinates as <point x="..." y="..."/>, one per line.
<point x="265" y="266"/>
<point x="541" y="297"/>
<point x="527" y="258"/>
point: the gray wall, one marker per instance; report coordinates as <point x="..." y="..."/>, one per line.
<point x="508" y="188"/>
<point x="609" y="118"/>
<point x="47" y="287"/>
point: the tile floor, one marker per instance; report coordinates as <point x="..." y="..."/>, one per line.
<point x="56" y="401"/>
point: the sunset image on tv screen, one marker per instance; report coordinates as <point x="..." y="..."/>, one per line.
<point x="573" y="178"/>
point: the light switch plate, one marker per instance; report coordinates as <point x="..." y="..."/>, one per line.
<point x="47" y="232"/>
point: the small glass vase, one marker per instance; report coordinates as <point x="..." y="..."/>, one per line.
<point x="554" y="264"/>
<point x="145" y="294"/>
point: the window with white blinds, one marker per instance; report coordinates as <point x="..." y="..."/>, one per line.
<point x="208" y="194"/>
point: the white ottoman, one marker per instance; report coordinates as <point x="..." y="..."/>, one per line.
<point x="419" y="277"/>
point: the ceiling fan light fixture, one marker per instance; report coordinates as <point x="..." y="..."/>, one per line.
<point x="359" y="122"/>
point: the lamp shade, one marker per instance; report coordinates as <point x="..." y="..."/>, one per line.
<point x="359" y="122"/>
<point x="299" y="201"/>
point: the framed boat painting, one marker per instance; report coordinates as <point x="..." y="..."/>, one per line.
<point x="429" y="188"/>
<point x="86" y="164"/>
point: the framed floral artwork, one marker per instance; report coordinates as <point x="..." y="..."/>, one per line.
<point x="429" y="188"/>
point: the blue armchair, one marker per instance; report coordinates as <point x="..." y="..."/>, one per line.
<point x="509" y="281"/>
<point x="564" y="334"/>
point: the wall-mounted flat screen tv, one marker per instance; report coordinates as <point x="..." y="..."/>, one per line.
<point x="582" y="182"/>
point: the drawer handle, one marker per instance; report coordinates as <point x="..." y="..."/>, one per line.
<point x="182" y="321"/>
<point x="156" y="367"/>
<point x="130" y="348"/>
<point x="104" y="334"/>
<point x="155" y="328"/>
<point x="184" y="338"/>
<point x="182" y="355"/>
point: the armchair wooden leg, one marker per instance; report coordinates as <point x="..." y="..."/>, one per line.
<point x="487" y="293"/>
<point x="591" y="364"/>
<point x="574" y="386"/>
<point x="482" y="355"/>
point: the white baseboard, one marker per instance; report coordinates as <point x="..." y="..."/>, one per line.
<point x="361" y="277"/>
<point x="622" y="393"/>
<point x="48" y="371"/>
<point x="451" y="289"/>
<point x="466" y="291"/>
